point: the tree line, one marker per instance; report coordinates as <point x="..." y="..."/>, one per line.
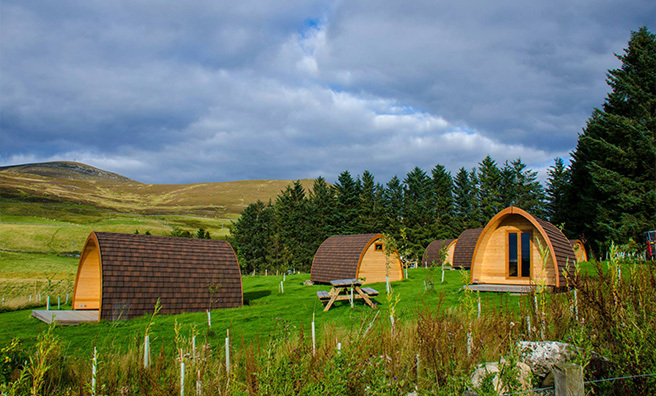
<point x="414" y="211"/>
<point x="606" y="193"/>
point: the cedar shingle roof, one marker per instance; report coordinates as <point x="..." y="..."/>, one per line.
<point x="139" y="269"/>
<point x="463" y="253"/>
<point x="432" y="252"/>
<point x="565" y="255"/>
<point x="339" y="256"/>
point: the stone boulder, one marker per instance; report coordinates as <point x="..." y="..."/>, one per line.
<point x="493" y="369"/>
<point x="542" y="356"/>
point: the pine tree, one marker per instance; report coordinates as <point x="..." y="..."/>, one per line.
<point x="443" y="201"/>
<point x="557" y="184"/>
<point x="393" y="203"/>
<point x="418" y="211"/>
<point x="612" y="195"/>
<point x="521" y="188"/>
<point x="347" y="213"/>
<point x="292" y="221"/>
<point x="489" y="189"/>
<point x="372" y="215"/>
<point x="251" y="236"/>
<point x="465" y="200"/>
<point x="322" y="209"/>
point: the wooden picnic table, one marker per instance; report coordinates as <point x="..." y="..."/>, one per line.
<point x="344" y="285"/>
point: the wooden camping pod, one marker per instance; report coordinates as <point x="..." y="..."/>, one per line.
<point x="355" y="256"/>
<point x="432" y="254"/>
<point x="579" y="250"/>
<point x="464" y="248"/>
<point x="516" y="248"/>
<point x="123" y="275"/>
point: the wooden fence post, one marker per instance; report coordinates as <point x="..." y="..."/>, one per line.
<point x="568" y="379"/>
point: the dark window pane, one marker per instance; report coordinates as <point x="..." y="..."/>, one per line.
<point x="526" y="254"/>
<point x="512" y="254"/>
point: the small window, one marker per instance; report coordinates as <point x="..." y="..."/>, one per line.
<point x="519" y="255"/>
<point x="378" y="246"/>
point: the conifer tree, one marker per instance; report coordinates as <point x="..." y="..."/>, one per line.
<point x="490" y="199"/>
<point x="612" y="195"/>
<point x="443" y="201"/>
<point x="418" y="211"/>
<point x="372" y="215"/>
<point x="393" y="203"/>
<point x="292" y="221"/>
<point x="521" y="188"/>
<point x="251" y="236"/>
<point x="465" y="200"/>
<point x="347" y="212"/>
<point x="557" y="184"/>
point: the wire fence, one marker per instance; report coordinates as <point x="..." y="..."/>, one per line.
<point x="550" y="390"/>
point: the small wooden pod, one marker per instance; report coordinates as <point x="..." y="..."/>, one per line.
<point x="123" y="275"/>
<point x="433" y="253"/>
<point x="579" y="250"/>
<point x="464" y="249"/>
<point x="355" y="256"/>
<point x="516" y="248"/>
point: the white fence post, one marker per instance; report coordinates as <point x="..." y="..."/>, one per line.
<point x="93" y="371"/>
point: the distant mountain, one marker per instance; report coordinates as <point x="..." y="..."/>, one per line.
<point x="77" y="183"/>
<point x="67" y="170"/>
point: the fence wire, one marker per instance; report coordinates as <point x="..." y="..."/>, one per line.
<point x="550" y="389"/>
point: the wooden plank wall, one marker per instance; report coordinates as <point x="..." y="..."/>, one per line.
<point x="490" y="263"/>
<point x="87" y="286"/>
<point x="373" y="265"/>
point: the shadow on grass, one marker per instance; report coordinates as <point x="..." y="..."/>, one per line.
<point x="252" y="296"/>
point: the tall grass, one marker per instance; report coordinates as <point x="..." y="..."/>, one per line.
<point x="432" y="351"/>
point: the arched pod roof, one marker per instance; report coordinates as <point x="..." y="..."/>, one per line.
<point x="340" y="257"/>
<point x="432" y="252"/>
<point x="185" y="274"/>
<point x="558" y="245"/>
<point x="464" y="250"/>
<point x="579" y="250"/>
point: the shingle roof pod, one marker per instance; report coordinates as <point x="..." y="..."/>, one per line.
<point x="551" y="253"/>
<point x="432" y="253"/>
<point x="579" y="250"/>
<point x="464" y="250"/>
<point x="354" y="256"/>
<point x="123" y="275"/>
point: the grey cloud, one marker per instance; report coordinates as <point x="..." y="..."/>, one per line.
<point x="210" y="90"/>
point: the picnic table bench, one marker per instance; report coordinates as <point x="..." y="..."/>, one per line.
<point x="340" y="292"/>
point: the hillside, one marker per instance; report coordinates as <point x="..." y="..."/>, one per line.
<point x="72" y="182"/>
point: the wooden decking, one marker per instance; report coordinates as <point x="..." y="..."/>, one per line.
<point x="66" y="317"/>
<point x="500" y="288"/>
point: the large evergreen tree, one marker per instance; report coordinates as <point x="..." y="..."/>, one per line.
<point x="418" y="211"/>
<point x="372" y="215"/>
<point x="347" y="213"/>
<point x="443" y="201"/>
<point x="251" y="236"/>
<point x="465" y="200"/>
<point x="612" y="195"/>
<point x="293" y="229"/>
<point x="521" y="188"/>
<point x="490" y="197"/>
<point x="557" y="185"/>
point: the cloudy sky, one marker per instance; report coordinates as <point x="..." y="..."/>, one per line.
<point x="205" y="91"/>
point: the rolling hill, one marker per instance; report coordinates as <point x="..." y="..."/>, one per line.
<point x="72" y="182"/>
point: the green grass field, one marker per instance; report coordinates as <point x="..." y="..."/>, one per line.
<point x="265" y="312"/>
